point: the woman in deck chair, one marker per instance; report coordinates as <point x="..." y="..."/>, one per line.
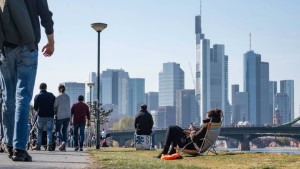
<point x="176" y="136"/>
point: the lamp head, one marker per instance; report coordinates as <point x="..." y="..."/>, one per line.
<point x="98" y="27"/>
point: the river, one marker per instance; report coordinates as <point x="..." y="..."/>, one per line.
<point x="289" y="150"/>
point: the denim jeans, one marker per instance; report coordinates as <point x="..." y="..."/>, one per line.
<point x="61" y="129"/>
<point x="75" y="137"/>
<point x="18" y="72"/>
<point x="41" y="122"/>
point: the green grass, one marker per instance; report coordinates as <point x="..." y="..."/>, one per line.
<point x="129" y="158"/>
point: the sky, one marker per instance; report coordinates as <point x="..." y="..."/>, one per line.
<point x="143" y="34"/>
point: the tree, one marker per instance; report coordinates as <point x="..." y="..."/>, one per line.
<point x="124" y="123"/>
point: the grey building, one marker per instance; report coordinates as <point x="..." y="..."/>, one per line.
<point x="211" y="75"/>
<point x="152" y="100"/>
<point x="115" y="89"/>
<point x="171" y="78"/>
<point x="74" y="89"/>
<point x="282" y="101"/>
<point x="166" y="116"/>
<point x="185" y="107"/>
<point x="136" y="95"/>
<point x="272" y="94"/>
<point x="242" y="106"/>
<point x="287" y="86"/>
<point x="256" y="83"/>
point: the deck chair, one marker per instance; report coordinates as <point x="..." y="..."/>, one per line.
<point x="211" y="136"/>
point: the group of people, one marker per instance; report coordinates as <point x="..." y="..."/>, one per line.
<point x="175" y="136"/>
<point x="50" y="108"/>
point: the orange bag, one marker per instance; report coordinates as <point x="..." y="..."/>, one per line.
<point x="170" y="157"/>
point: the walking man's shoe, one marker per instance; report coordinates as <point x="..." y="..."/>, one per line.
<point x="81" y="149"/>
<point x="36" y="148"/>
<point x="62" y="147"/>
<point x="76" y="148"/>
<point x="21" y="155"/>
<point x="50" y="148"/>
<point x="9" y="150"/>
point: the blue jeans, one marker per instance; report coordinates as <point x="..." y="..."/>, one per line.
<point x="75" y="137"/>
<point x="62" y="133"/>
<point x="18" y="72"/>
<point x="41" y="122"/>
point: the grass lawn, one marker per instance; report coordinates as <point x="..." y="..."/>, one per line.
<point x="123" y="158"/>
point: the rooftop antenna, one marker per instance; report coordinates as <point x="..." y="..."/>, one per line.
<point x="250" y="40"/>
<point x="200" y="7"/>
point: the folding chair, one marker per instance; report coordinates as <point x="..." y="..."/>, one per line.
<point x="211" y="136"/>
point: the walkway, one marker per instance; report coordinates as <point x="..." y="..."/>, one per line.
<point x="50" y="160"/>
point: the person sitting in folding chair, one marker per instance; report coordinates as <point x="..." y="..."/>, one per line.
<point x="184" y="139"/>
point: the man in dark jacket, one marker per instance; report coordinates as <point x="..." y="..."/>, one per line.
<point x="19" y="38"/>
<point x="79" y="113"/>
<point x="44" y="105"/>
<point x="143" y="123"/>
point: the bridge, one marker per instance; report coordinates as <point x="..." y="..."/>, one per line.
<point x="242" y="134"/>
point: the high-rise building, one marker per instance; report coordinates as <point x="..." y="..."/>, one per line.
<point x="136" y="95"/>
<point x="272" y="94"/>
<point x="266" y="115"/>
<point x="242" y="106"/>
<point x="74" y="89"/>
<point x="185" y="107"/>
<point x="282" y="102"/>
<point x="92" y="79"/>
<point x="234" y="89"/>
<point x="115" y="89"/>
<point x="152" y="100"/>
<point x="256" y="84"/>
<point x="287" y="86"/>
<point x="211" y="75"/>
<point x="171" y="78"/>
<point x="166" y="116"/>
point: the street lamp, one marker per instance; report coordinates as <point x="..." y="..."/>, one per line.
<point x="98" y="27"/>
<point x="90" y="85"/>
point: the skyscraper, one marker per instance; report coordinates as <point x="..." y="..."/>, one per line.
<point x="211" y="75"/>
<point x="287" y="86"/>
<point x="272" y="94"/>
<point x="152" y="100"/>
<point x="171" y="78"/>
<point x="282" y="101"/>
<point x="92" y="79"/>
<point x="185" y="107"/>
<point x="136" y="95"/>
<point x="115" y="89"/>
<point x="74" y="89"/>
<point x="256" y="84"/>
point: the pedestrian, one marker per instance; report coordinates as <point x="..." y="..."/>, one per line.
<point x="44" y="105"/>
<point x="20" y="35"/>
<point x="62" y="111"/>
<point x="143" y="123"/>
<point x="79" y="113"/>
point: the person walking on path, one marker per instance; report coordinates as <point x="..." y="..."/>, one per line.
<point x="20" y="35"/>
<point x="79" y="113"/>
<point x="44" y="105"/>
<point x="62" y="112"/>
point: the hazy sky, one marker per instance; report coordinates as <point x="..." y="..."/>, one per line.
<point x="143" y="34"/>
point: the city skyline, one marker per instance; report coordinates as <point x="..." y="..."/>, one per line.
<point x="142" y="35"/>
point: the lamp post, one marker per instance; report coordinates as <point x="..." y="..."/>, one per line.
<point x="98" y="27"/>
<point x="90" y="85"/>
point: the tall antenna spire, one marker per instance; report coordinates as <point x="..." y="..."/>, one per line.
<point x="200" y="7"/>
<point x="250" y="40"/>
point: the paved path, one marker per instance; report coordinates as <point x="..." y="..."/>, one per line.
<point x="49" y="160"/>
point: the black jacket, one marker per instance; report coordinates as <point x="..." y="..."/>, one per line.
<point x="143" y="123"/>
<point x="20" y="22"/>
<point x="44" y="104"/>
